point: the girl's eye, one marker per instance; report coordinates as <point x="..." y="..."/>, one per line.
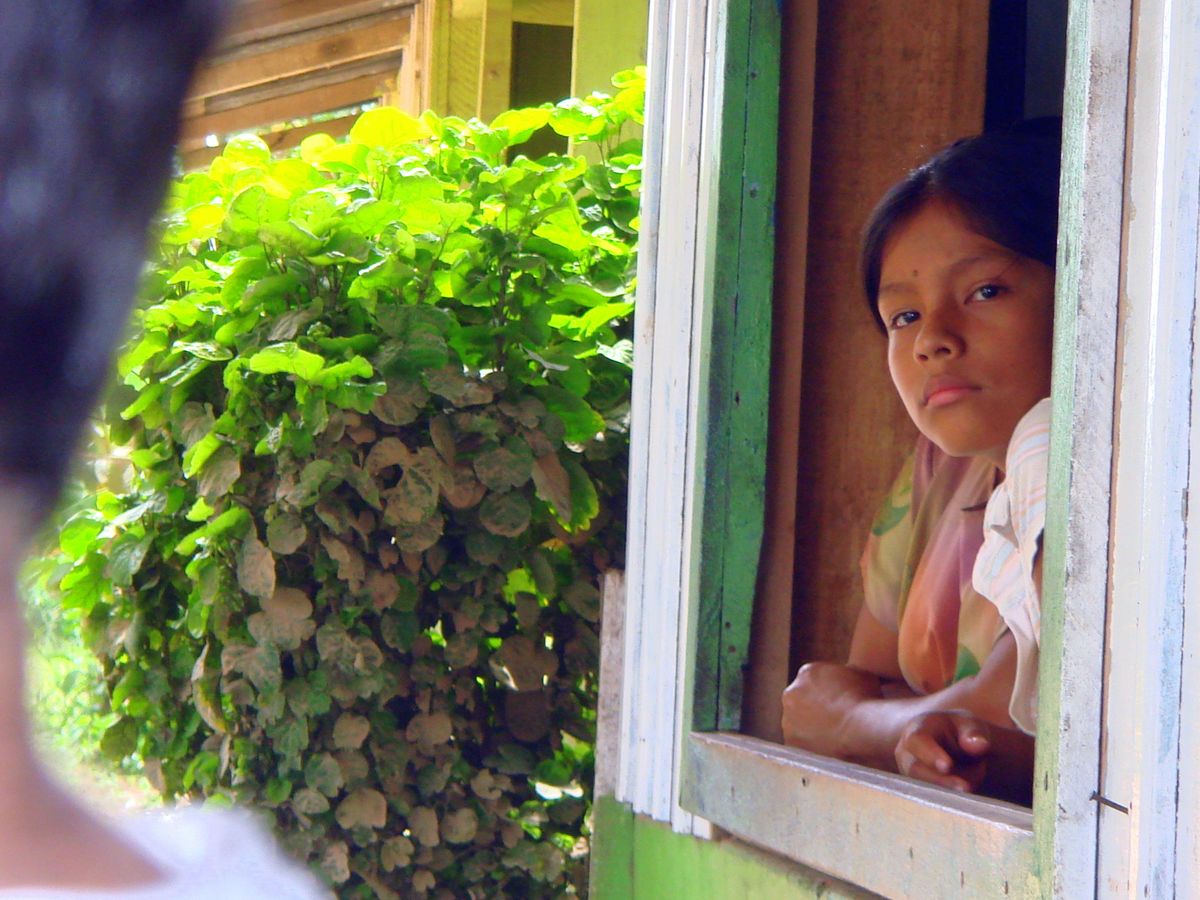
<point x="902" y="319"/>
<point x="987" y="292"/>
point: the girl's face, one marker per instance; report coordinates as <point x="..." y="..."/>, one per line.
<point x="969" y="327"/>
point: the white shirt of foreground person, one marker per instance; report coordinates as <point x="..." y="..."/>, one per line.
<point x="204" y="854"/>
<point x="1012" y="539"/>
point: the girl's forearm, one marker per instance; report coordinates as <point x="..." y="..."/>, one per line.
<point x="871" y="727"/>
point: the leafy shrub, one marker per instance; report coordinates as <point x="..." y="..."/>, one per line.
<point x="375" y="417"/>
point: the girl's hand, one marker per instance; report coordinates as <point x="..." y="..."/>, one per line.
<point x="818" y="702"/>
<point x="949" y="749"/>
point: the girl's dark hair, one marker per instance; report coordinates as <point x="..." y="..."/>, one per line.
<point x="90" y="93"/>
<point x="1005" y="183"/>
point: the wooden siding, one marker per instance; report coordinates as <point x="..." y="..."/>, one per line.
<point x="894" y="82"/>
<point x="286" y="60"/>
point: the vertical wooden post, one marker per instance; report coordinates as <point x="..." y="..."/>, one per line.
<point x="495" y="59"/>
<point x="609" y="37"/>
<point x="421" y="84"/>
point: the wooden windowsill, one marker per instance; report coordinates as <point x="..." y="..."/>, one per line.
<point x="888" y="834"/>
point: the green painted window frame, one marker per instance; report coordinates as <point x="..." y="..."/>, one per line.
<point x="739" y="362"/>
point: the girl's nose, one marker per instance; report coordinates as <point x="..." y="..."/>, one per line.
<point x="938" y="339"/>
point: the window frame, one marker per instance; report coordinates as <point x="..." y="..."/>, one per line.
<point x="686" y="766"/>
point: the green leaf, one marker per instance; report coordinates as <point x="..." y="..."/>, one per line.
<point x="148" y="396"/>
<point x="582" y="423"/>
<point x="286" y="533"/>
<point x="286" y="357"/>
<point x="399" y="630"/>
<point x="200" y="453"/>
<point x="247" y="148"/>
<point x="505" y="467"/>
<point x="387" y="127"/>
<point x="120" y="739"/>
<point x="277" y="791"/>
<point x="583" y="597"/>
<point x="203" y="349"/>
<point x="323" y="774"/>
<point x="505" y="514"/>
<point x="521" y="123"/>
<point x="84" y="585"/>
<point x="339" y="373"/>
<point x="125" y="558"/>
<point x="76" y="537"/>
<point x="585" y="503"/>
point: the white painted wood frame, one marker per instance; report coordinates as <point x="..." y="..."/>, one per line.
<point x="1076" y="542"/>
<point x="1150" y="723"/>
<point x="671" y="325"/>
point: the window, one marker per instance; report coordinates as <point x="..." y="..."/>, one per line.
<point x="1104" y="814"/>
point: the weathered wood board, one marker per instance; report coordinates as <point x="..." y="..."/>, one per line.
<point x="894" y="82"/>
<point x="281" y="61"/>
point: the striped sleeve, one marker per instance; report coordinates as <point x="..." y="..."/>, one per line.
<point x="1003" y="573"/>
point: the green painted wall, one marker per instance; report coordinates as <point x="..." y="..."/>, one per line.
<point x="635" y="858"/>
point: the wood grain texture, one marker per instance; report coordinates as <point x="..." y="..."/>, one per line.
<point x="262" y="20"/>
<point x="769" y="657"/>
<point x="1150" y="611"/>
<point x="1077" y="539"/>
<point x="894" y="82"/>
<point x="660" y="582"/>
<point x="889" y="835"/>
<point x="635" y="858"/>
<point x="609" y="37"/>
<point x="291" y="60"/>
<point x="495" y="61"/>
<point x="298" y="53"/>
<point x="738" y="377"/>
<point x="347" y="87"/>
<point x="611" y="674"/>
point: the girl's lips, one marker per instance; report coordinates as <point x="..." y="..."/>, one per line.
<point x="950" y="393"/>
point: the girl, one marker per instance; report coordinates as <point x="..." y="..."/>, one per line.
<point x="958" y="267"/>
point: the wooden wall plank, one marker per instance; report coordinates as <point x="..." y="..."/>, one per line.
<point x="463" y="50"/>
<point x="895" y="81"/>
<point x="320" y="98"/>
<point x="317" y="50"/>
<point x="259" y="20"/>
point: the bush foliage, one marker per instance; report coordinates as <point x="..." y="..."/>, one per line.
<point x="375" y="421"/>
